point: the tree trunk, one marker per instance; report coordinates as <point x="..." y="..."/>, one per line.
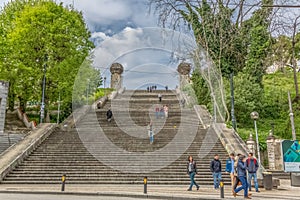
<point x="297" y="97"/>
<point x="23" y="103"/>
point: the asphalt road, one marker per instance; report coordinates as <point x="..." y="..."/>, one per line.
<point x="12" y="196"/>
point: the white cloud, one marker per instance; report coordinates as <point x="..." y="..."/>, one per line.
<point x="104" y="11"/>
<point x="147" y="55"/>
<point x="114" y="13"/>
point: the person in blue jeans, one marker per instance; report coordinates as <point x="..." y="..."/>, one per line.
<point x="230" y="167"/>
<point x="242" y="175"/>
<point x="216" y="169"/>
<point x="192" y="171"/>
<point x="252" y="167"/>
<point x="150" y="132"/>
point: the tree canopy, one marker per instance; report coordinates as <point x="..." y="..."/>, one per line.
<point x="239" y="38"/>
<point x="40" y="36"/>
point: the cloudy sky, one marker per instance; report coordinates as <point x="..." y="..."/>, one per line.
<point x="126" y="32"/>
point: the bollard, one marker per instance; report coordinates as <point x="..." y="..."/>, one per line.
<point x="221" y="189"/>
<point x="145" y="185"/>
<point x="63" y="182"/>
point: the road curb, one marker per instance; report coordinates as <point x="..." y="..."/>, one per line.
<point x="138" y="196"/>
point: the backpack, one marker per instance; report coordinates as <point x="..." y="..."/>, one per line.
<point x="248" y="161"/>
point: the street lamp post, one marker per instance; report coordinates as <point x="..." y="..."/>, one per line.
<point x="104" y="85"/>
<point x="232" y="102"/>
<point x="43" y="94"/>
<point x="58" y="109"/>
<point x="254" y="115"/>
<point x="292" y="116"/>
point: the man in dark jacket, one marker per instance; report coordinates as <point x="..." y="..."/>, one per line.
<point x="252" y="166"/>
<point x="216" y="169"/>
<point x="109" y="115"/>
<point x="241" y="172"/>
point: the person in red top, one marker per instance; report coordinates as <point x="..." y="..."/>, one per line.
<point x="252" y="167"/>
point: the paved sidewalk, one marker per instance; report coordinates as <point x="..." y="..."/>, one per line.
<point x="285" y="191"/>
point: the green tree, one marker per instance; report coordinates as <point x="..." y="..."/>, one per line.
<point x="236" y="43"/>
<point x="42" y="36"/>
<point x="200" y="88"/>
<point x="281" y="52"/>
<point x="248" y="95"/>
<point x="260" y="41"/>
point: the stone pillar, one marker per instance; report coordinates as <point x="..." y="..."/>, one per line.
<point x="278" y="155"/>
<point x="3" y="96"/>
<point x="184" y="70"/>
<point x="116" y="70"/>
<point x="251" y="144"/>
<point x="271" y="151"/>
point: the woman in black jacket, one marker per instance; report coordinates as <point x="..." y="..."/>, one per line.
<point x="192" y="171"/>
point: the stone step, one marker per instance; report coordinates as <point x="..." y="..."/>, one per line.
<point x="92" y="173"/>
<point x="167" y="182"/>
<point x="63" y="152"/>
<point x="95" y="179"/>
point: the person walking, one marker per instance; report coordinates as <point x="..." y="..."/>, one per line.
<point x="192" y="171"/>
<point x="150" y="132"/>
<point x="230" y="167"/>
<point x="216" y="169"/>
<point x="166" y="111"/>
<point x="162" y="112"/>
<point x="252" y="167"/>
<point x="241" y="171"/>
<point x="182" y="102"/>
<point x="159" y="97"/>
<point x="109" y="115"/>
<point x="157" y="112"/>
<point x="236" y="178"/>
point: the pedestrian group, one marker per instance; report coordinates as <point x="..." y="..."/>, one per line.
<point x="242" y="170"/>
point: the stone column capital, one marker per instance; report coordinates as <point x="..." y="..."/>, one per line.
<point x="184" y="68"/>
<point x="116" y="68"/>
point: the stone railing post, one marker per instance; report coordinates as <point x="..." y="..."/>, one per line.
<point x="116" y="70"/>
<point x="278" y="155"/>
<point x="271" y="151"/>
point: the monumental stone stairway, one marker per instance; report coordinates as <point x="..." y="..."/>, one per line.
<point x="176" y="137"/>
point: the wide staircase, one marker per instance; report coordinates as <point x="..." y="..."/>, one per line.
<point x="120" y="153"/>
